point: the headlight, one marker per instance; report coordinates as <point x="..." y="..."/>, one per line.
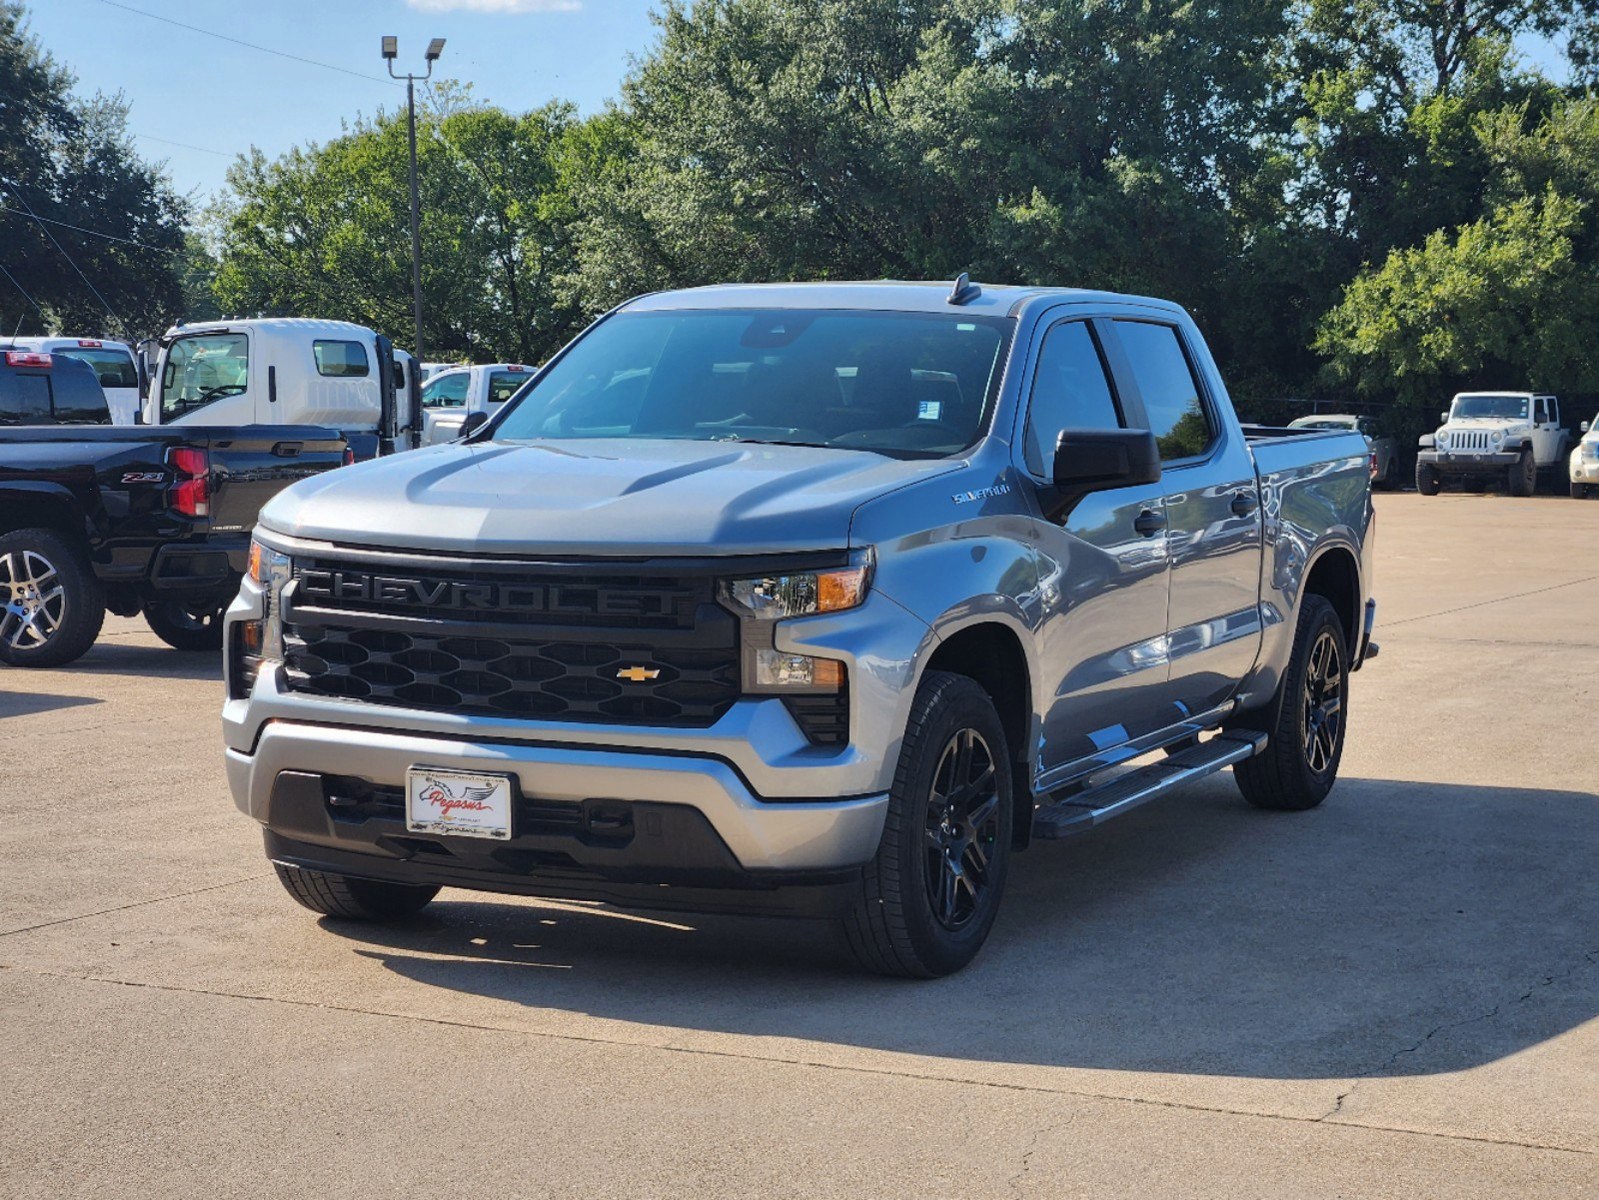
<point x="257" y="643"/>
<point x="1497" y="436"/>
<point x="803" y="593"/>
<point x="1440" y="439"/>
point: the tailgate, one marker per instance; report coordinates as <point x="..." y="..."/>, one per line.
<point x="247" y="471"/>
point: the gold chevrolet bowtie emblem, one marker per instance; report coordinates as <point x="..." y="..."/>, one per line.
<point x="637" y="674"/>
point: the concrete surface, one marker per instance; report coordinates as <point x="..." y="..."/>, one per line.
<point x="1394" y="995"/>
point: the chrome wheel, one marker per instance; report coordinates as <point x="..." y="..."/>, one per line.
<point x="1324" y="702"/>
<point x="35" y="600"/>
<point x="962" y="825"/>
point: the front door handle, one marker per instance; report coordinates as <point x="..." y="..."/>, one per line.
<point x="1149" y="522"/>
<point x="1243" y="504"/>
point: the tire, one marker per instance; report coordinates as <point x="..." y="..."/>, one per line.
<point x="186" y="624"/>
<point x="1306" y="720"/>
<point x="1579" y="491"/>
<point x="912" y="916"/>
<point x="351" y="898"/>
<point x="1427" y="479"/>
<point x="53" y="604"/>
<point x="1524" y="475"/>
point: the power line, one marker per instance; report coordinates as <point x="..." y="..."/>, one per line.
<point x="99" y="233"/>
<point x="150" y="137"/>
<point x="21" y="289"/>
<point x="71" y="261"/>
<point x="222" y="37"/>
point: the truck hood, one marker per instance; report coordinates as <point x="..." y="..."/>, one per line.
<point x="621" y="497"/>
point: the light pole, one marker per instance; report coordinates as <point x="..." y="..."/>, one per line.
<point x="391" y="48"/>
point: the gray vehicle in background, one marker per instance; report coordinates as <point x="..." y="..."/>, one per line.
<point x="813" y="599"/>
<point x="1384" y="447"/>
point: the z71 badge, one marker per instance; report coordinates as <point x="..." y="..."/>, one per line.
<point x="144" y="477"/>
<point x="988" y="493"/>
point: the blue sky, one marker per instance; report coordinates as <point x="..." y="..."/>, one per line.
<point x="219" y="98"/>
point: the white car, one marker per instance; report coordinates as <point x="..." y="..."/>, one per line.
<point x="1493" y="437"/>
<point x="112" y="363"/>
<point x="451" y="397"/>
<point x="1585" y="464"/>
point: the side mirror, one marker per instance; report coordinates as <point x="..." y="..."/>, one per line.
<point x="473" y="422"/>
<point x="1443" y="417"/>
<point x="1092" y="460"/>
<point x="1586" y="425"/>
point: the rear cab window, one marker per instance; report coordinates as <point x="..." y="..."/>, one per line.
<point x="112" y="366"/>
<point x="344" y="360"/>
<point x="504" y="384"/>
<point x="1175" y="409"/>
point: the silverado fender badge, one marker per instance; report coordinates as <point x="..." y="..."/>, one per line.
<point x="987" y="493"/>
<point x="638" y="674"/>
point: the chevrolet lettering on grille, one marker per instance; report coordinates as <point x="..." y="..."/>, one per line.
<point x="318" y="585"/>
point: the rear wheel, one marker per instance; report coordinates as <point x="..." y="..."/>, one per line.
<point x="351" y="898"/>
<point x="1524" y="475"/>
<point x="927" y="901"/>
<point x="54" y="606"/>
<point x="1427" y="479"/>
<point x="1306" y="719"/>
<point x="187" y="624"/>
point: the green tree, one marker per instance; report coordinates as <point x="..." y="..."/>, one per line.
<point x="80" y="212"/>
<point x="325" y="231"/>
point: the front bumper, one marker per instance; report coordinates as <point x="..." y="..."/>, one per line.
<point x="1584" y="470"/>
<point x="1470" y="463"/>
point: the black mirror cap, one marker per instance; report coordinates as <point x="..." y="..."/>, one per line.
<point x="473" y="422"/>
<point x="1092" y="460"/>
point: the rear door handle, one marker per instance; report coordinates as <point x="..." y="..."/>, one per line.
<point x="1243" y="504"/>
<point x="1149" y="522"/>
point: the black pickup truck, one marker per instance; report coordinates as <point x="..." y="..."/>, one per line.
<point x="130" y="519"/>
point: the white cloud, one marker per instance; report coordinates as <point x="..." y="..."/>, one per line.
<point x="496" y="7"/>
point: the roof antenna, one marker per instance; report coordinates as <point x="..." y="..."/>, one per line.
<point x="964" y="291"/>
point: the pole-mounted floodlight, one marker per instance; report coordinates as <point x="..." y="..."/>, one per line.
<point x="391" y="50"/>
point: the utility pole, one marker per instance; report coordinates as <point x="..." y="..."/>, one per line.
<point x="391" y="49"/>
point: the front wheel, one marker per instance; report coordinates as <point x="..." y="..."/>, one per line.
<point x="354" y="899"/>
<point x="927" y="901"/>
<point x="1305" y="720"/>
<point x="1427" y="482"/>
<point x="1524" y="475"/>
<point x="187" y="624"/>
<point x="53" y="604"/>
<point x="1579" y="491"/>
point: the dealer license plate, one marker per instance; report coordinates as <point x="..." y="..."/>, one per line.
<point x="458" y="804"/>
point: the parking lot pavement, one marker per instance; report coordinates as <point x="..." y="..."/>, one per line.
<point x="1394" y="995"/>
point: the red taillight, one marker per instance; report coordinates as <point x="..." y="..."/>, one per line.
<point x="190" y="494"/>
<point x="349" y="455"/>
<point x="1374" y="464"/>
<point x="28" y="358"/>
<point x="89" y="343"/>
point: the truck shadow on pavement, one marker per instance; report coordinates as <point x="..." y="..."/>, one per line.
<point x="16" y="701"/>
<point x="112" y="658"/>
<point x="1197" y="936"/>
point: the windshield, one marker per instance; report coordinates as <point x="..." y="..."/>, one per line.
<point x="203" y="368"/>
<point x="903" y="384"/>
<point x="1510" y="408"/>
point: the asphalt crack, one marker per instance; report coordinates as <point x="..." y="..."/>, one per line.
<point x="1014" y="1183"/>
<point x="1589" y="958"/>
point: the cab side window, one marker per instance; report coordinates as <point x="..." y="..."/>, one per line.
<point x="1070" y="391"/>
<point x="1166" y="383"/>
<point x="446" y="391"/>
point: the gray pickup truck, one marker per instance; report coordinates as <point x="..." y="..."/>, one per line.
<point x="817" y="599"/>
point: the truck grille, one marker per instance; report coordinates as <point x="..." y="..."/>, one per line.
<point x="1469" y="439"/>
<point x="532" y="641"/>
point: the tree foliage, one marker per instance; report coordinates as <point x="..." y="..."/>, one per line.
<point x="326" y="230"/>
<point x="77" y="203"/>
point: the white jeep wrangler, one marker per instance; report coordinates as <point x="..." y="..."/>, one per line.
<point x="1493" y="436"/>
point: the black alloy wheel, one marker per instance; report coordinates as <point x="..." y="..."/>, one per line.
<point x="962" y="829"/>
<point x="187" y="624"/>
<point x="1323" y="702"/>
